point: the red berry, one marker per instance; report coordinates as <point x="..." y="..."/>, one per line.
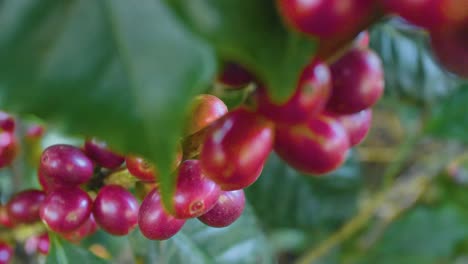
<point x="99" y="152"/>
<point x="154" y="222"/>
<point x="37" y="244"/>
<point x="226" y="211"/>
<point x="195" y="194"/>
<point x="310" y="97"/>
<point x="5" y="219"/>
<point x="24" y="206"/>
<point x="35" y="131"/>
<point x="204" y="111"/>
<point x="235" y="149"/>
<point x="6" y="253"/>
<point x="115" y="210"/>
<point x="66" y="165"/>
<point x="47" y="183"/>
<point x="324" y="18"/>
<point x="235" y="75"/>
<point x="318" y="147"/>
<point x="357" y="125"/>
<point x="431" y="14"/>
<point x="8" y="148"/>
<point x="358" y="82"/>
<point x="65" y="209"/>
<point x="86" y="229"/>
<point x="7" y="122"/>
<point x="144" y="170"/>
<point x="451" y="49"/>
<point x="362" y="40"/>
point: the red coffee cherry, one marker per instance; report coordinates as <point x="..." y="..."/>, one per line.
<point x="37" y="244"/>
<point x="310" y="97"/>
<point x="317" y="147"/>
<point x="47" y="183"/>
<point x="7" y="122"/>
<point x="195" y="194"/>
<point x="227" y="210"/>
<point x="99" y="152"/>
<point x="6" y="253"/>
<point x="66" y="165"/>
<point x="357" y="125"/>
<point x="65" y="209"/>
<point x="235" y="149"/>
<point x="86" y="229"/>
<point x="8" y="148"/>
<point x="234" y="75"/>
<point x="431" y="14"/>
<point x="116" y="210"/>
<point x="205" y="110"/>
<point x="324" y="18"/>
<point x="35" y="132"/>
<point x="24" y="206"/>
<point x="450" y="47"/>
<point x="358" y="82"/>
<point x="146" y="171"/>
<point x="154" y="222"/>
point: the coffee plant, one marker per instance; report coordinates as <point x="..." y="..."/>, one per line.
<point x="221" y="131"/>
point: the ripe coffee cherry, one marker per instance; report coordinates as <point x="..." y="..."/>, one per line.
<point x="7" y="122"/>
<point x="39" y="244"/>
<point x="358" y="82"/>
<point x="235" y="149"/>
<point x="6" y="253"/>
<point x="234" y="75"/>
<point x="451" y="49"/>
<point x="154" y="222"/>
<point x="362" y="40"/>
<point x="5" y="219"/>
<point x="99" y="152"/>
<point x="35" y="131"/>
<point x="8" y="148"/>
<point x="144" y="170"/>
<point x="357" y="125"/>
<point x="195" y="194"/>
<point x="204" y="111"/>
<point x="65" y="209"/>
<point x="431" y="14"/>
<point x="116" y="210"/>
<point x="66" y="165"/>
<point x="24" y="206"/>
<point x="324" y="18"/>
<point x="317" y="147"/>
<point x="226" y="211"/>
<point x="48" y="184"/>
<point x="88" y="228"/>
<point x="310" y="97"/>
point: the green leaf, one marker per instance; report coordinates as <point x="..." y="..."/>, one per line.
<point x="449" y="119"/>
<point x="65" y="253"/>
<point x="424" y="235"/>
<point x="252" y="33"/>
<point x="285" y="198"/>
<point x="239" y="243"/>
<point x="119" y="70"/>
<point x="411" y="72"/>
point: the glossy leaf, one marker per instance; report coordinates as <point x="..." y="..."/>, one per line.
<point x="119" y="70"/>
<point x="65" y="253"/>
<point x="251" y="33"/>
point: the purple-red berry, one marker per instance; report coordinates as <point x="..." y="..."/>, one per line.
<point x="146" y="171"/>
<point x="66" y="165"/>
<point x="317" y="147"/>
<point x="88" y="228"/>
<point x="7" y="122"/>
<point x="115" y="210"/>
<point x="357" y="125"/>
<point x="234" y="75"/>
<point x="154" y="222"/>
<point x="205" y="109"/>
<point x="99" y="152"/>
<point x="310" y="97"/>
<point x="37" y="244"/>
<point x="8" y="148"/>
<point x="235" y="149"/>
<point x="358" y="82"/>
<point x="65" y="209"/>
<point x="195" y="194"/>
<point x="24" y="206"/>
<point x="6" y="253"/>
<point x="227" y="210"/>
